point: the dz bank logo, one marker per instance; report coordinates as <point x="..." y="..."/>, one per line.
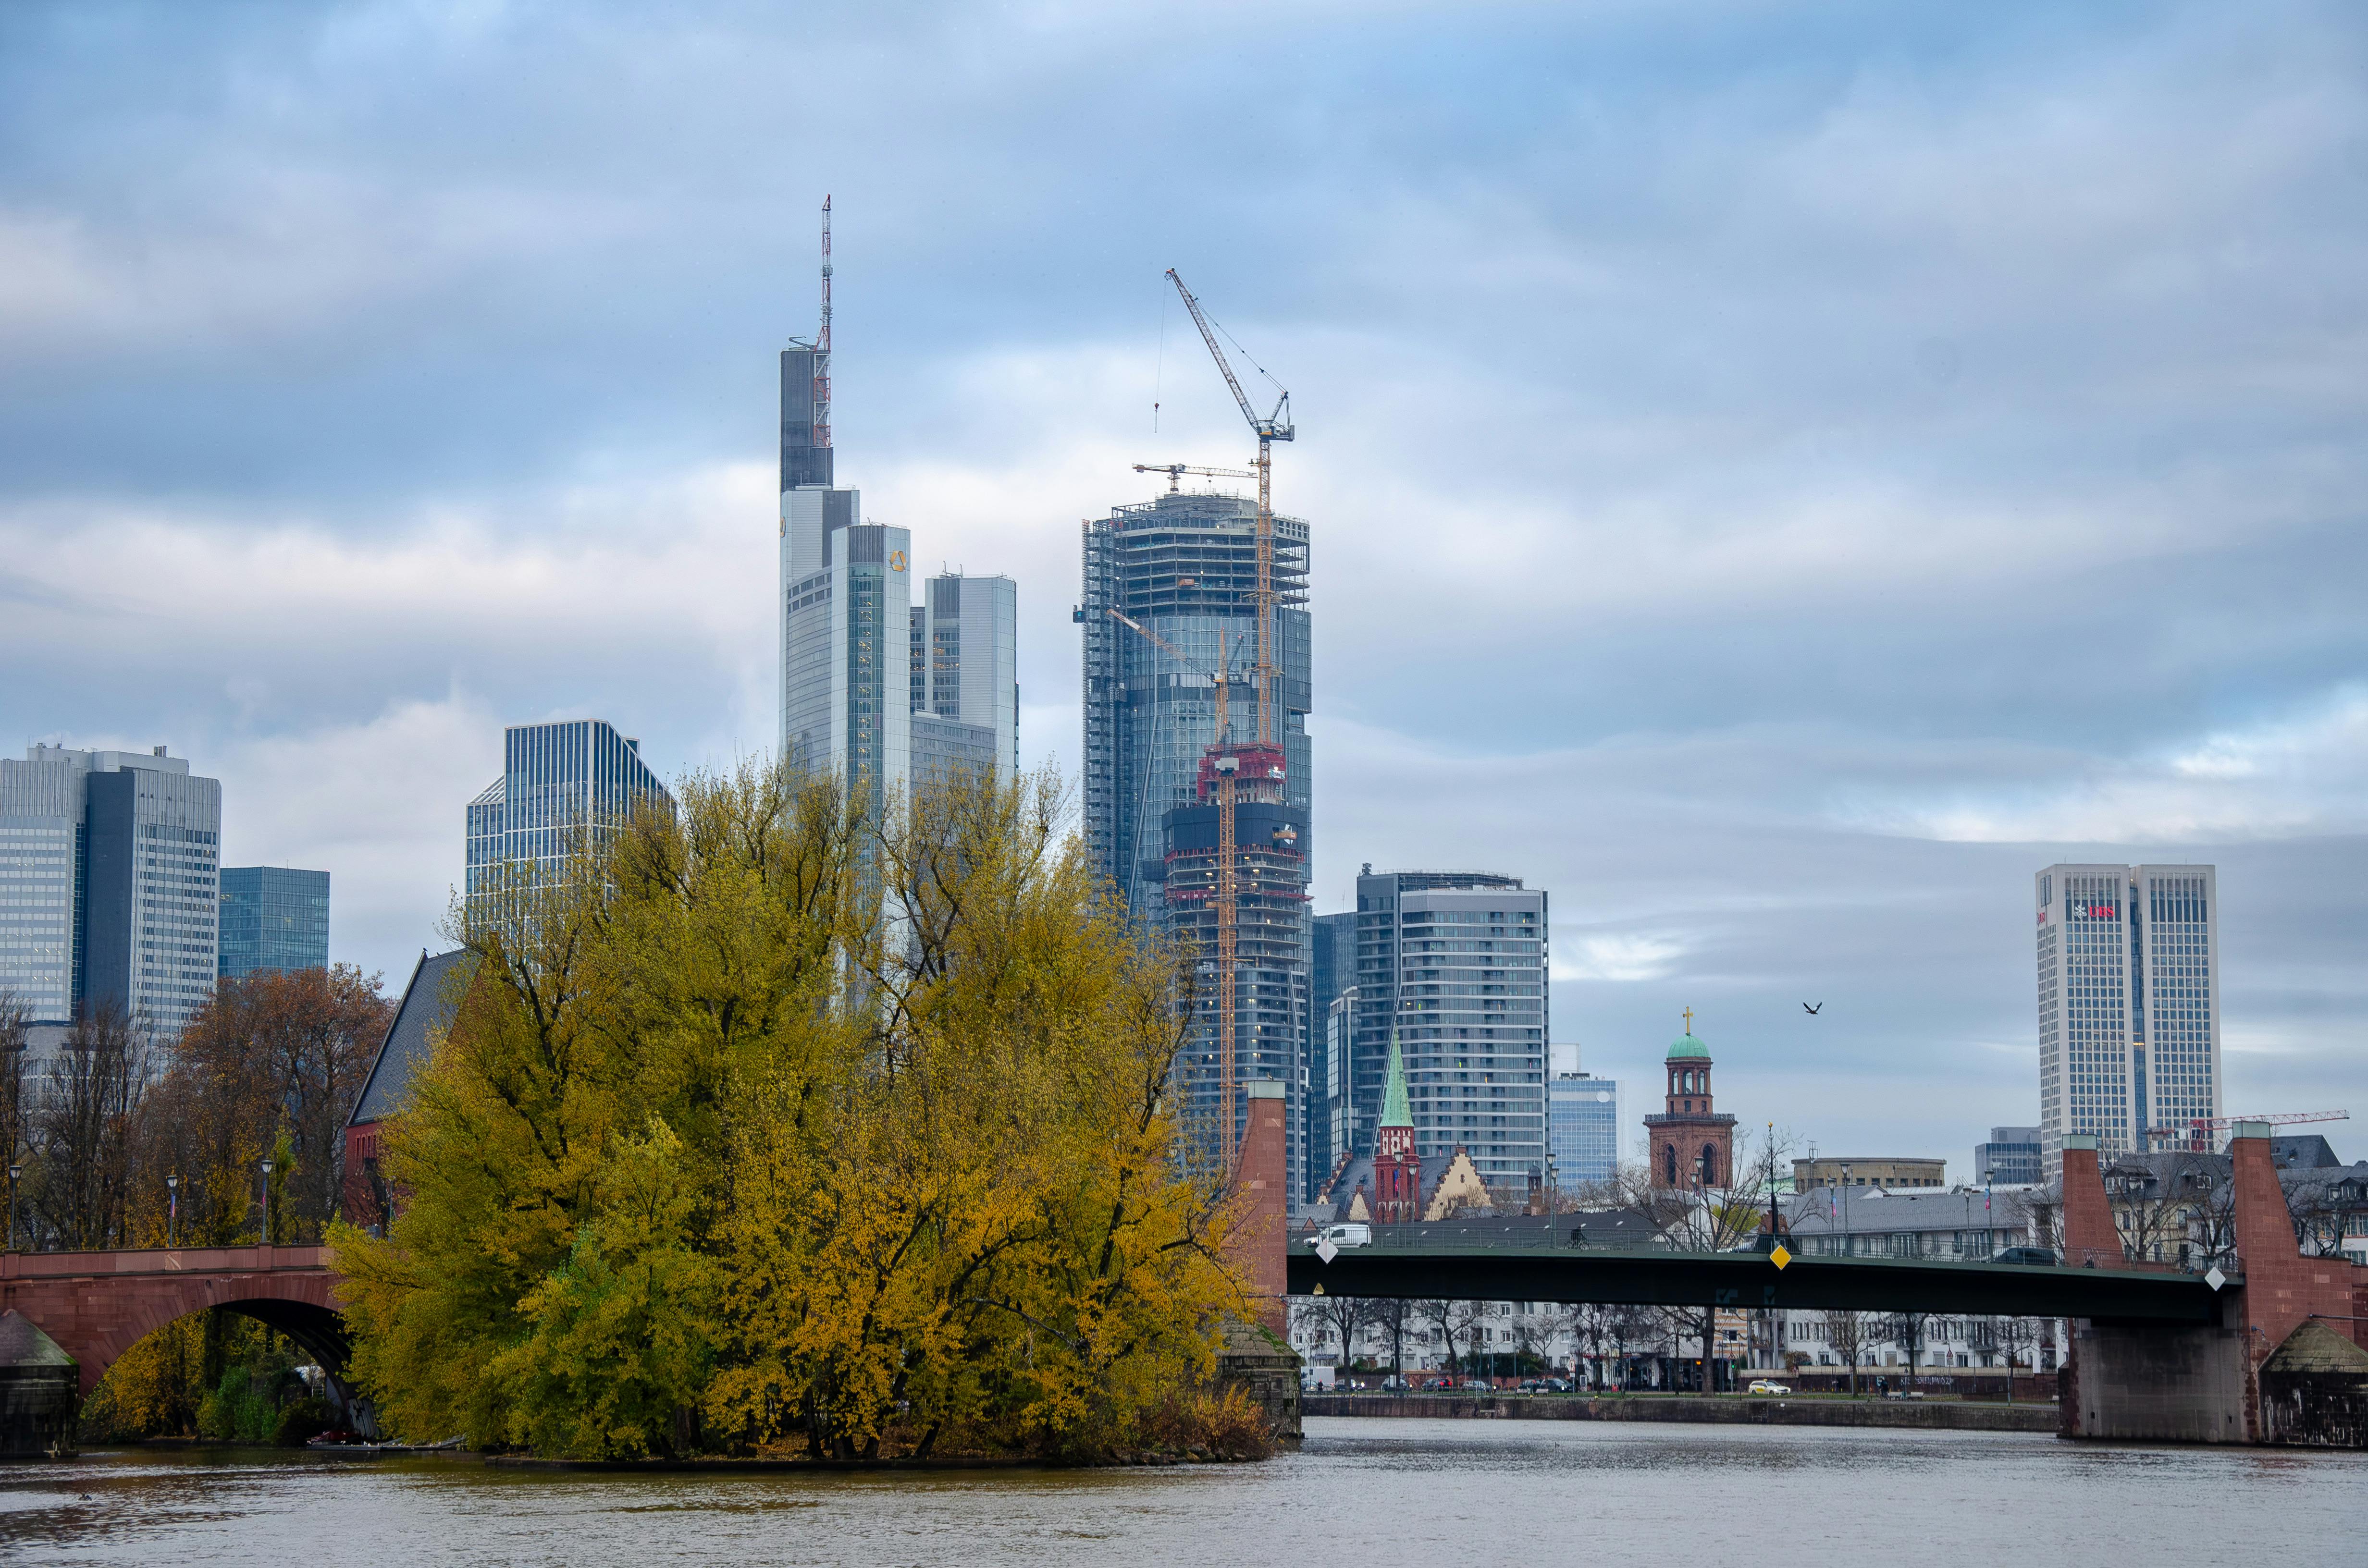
<point x="895" y="560"/>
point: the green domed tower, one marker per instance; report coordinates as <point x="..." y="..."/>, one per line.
<point x="1692" y="1144"/>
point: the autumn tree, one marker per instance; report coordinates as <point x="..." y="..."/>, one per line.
<point x="765" y="1123"/>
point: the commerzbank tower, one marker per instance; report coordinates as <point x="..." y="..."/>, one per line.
<point x="874" y="686"/>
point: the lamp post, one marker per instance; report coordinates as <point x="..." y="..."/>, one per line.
<point x="1850" y="1242"/>
<point x="172" y="1208"/>
<point x="266" y="1202"/>
<point x="15" y="1170"/>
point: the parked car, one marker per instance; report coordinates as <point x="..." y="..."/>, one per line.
<point x="2040" y="1257"/>
<point x="1344" y="1236"/>
<point x="1762" y="1385"/>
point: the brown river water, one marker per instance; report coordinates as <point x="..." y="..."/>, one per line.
<point x="1368" y="1493"/>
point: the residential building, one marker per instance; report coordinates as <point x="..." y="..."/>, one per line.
<point x="273" y="917"/>
<point x="1889" y="1172"/>
<point x="2129" y="1004"/>
<point x="1962" y="1226"/>
<point x="965" y="676"/>
<point x="2177" y="1208"/>
<point x="110" y="867"/>
<point x="560" y="782"/>
<point x="1583" y="1115"/>
<point x="1452" y="964"/>
<point x="2011" y="1158"/>
<point x="1691" y="1143"/>
<point x="429" y="1000"/>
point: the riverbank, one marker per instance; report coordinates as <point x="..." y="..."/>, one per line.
<point x="1935" y="1415"/>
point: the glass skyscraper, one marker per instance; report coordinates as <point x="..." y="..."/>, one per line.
<point x="1183" y="566"/>
<point x="1583" y="1113"/>
<point x="2129" y="1004"/>
<point x="273" y="917"/>
<point x="1455" y="963"/>
<point x="558" y="780"/>
<point x="109" y="884"/>
<point x="965" y="676"/>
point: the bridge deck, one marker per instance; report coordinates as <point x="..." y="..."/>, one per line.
<point x="1653" y="1277"/>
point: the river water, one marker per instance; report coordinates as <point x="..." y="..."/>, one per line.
<point x="1368" y="1493"/>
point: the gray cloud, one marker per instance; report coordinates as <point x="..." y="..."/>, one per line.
<point x="1780" y="476"/>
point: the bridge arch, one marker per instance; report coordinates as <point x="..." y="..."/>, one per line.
<point x="97" y="1305"/>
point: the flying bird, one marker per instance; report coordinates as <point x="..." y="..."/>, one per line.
<point x="1813" y="1012"/>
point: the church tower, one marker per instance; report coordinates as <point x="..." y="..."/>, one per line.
<point x="1692" y="1144"/>
<point x="1397" y="1169"/>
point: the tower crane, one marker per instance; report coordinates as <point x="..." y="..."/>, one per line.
<point x="1274" y="426"/>
<point x="1227" y="768"/>
<point x="1174" y="470"/>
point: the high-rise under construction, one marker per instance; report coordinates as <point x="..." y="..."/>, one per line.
<point x="1181" y="569"/>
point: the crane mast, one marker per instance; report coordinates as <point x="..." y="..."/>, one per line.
<point x="1274" y="426"/>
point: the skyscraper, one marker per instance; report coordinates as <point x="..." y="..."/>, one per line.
<point x="1332" y="973"/>
<point x="273" y="917"/>
<point x="2129" y="1004"/>
<point x="1455" y="962"/>
<point x="559" y="781"/>
<point x="109" y="884"/>
<point x="1182" y="567"/>
<point x="1583" y="1117"/>
<point x="965" y="676"/>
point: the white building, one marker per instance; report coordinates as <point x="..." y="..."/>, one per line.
<point x="965" y="676"/>
<point x="2129" y="1004"/>
<point x="110" y="885"/>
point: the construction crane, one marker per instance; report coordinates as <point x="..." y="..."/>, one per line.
<point x="2199" y="1129"/>
<point x="1275" y="426"/>
<point x="1227" y="768"/>
<point x="1176" y="470"/>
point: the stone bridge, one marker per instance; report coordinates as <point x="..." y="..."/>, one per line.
<point x="97" y="1305"/>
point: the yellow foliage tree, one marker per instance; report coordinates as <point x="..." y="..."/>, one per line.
<point x="769" y="1124"/>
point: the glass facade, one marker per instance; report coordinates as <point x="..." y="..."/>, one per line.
<point x="1583" y="1114"/>
<point x="2129" y="1007"/>
<point x="1455" y="962"/>
<point x="558" y="780"/>
<point x="273" y="917"/>
<point x="1183" y="567"/>
<point x="109" y="884"/>
<point x="964" y="677"/>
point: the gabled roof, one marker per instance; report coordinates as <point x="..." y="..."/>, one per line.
<point x="424" y="1011"/>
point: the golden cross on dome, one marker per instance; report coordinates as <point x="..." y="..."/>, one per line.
<point x="1689" y="1021"/>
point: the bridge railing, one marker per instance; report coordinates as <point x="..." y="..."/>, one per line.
<point x="252" y="1259"/>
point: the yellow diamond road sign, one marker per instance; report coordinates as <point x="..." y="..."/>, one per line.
<point x="1779" y="1258"/>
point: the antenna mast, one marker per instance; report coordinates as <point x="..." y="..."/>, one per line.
<point x="822" y="341"/>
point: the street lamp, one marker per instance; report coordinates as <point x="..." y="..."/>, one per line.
<point x="1850" y="1242"/>
<point x="15" y="1170"/>
<point x="172" y="1208"/>
<point x="266" y="1202"/>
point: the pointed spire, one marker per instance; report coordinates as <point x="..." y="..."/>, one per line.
<point x="1394" y="1110"/>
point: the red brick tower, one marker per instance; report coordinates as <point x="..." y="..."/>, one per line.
<point x="1397" y="1169"/>
<point x="1694" y="1146"/>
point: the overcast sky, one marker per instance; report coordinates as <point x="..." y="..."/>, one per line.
<point x="1779" y="473"/>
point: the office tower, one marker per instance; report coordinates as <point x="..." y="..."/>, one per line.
<point x="1583" y="1117"/>
<point x="2011" y="1158"/>
<point x="1331" y="969"/>
<point x="1181" y="568"/>
<point x="1455" y="960"/>
<point x="109" y="883"/>
<point x="965" y="676"/>
<point x="559" y="783"/>
<point x="2129" y="1004"/>
<point x="273" y="917"/>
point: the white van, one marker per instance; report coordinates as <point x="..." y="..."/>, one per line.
<point x="1352" y="1234"/>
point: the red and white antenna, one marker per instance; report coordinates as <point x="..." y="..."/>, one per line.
<point x="822" y="341"/>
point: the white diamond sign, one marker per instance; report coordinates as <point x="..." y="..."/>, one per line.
<point x="1326" y="1251"/>
<point x="2216" y="1279"/>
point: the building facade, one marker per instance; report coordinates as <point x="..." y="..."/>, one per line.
<point x="1452" y="964"/>
<point x="1905" y="1173"/>
<point x="110" y="876"/>
<point x="2011" y="1158"/>
<point x="2129" y="1004"/>
<point x="273" y="917"/>
<point x="559" y="781"/>
<point x="1690" y="1142"/>
<point x="1332" y="973"/>
<point x="1583" y="1113"/>
<point x="965" y="678"/>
